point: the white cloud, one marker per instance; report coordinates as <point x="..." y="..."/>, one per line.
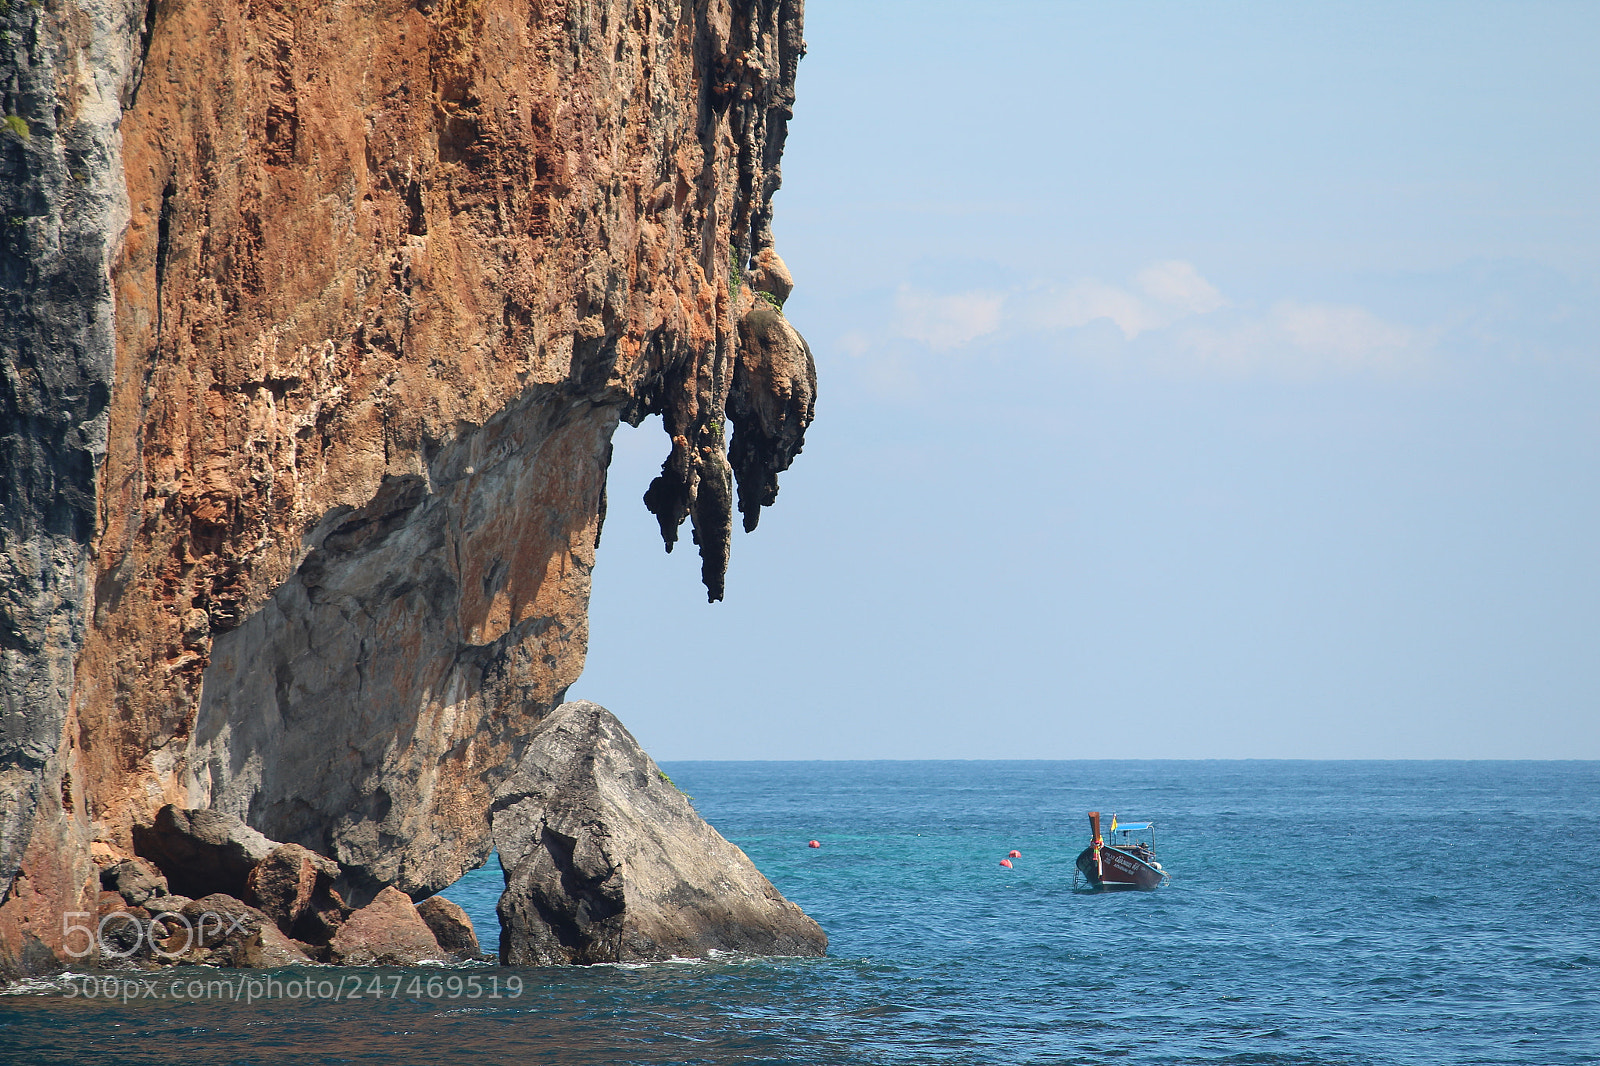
<point x="1086" y="301"/>
<point x="946" y="321"/>
<point x="856" y="344"/>
<point x="1169" y="291"/>
<point x="1178" y="285"/>
<point x="1183" y="318"/>
<point x="1299" y="337"/>
<point x="1346" y="333"/>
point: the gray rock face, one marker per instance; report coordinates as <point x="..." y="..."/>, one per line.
<point x="606" y="861"/>
<point x="65" y="73"/>
<point x="358" y="713"/>
<point x="202" y="852"/>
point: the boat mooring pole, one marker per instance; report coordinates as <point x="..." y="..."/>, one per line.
<point x="1094" y="842"/>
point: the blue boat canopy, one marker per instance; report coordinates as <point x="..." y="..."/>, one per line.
<point x="1131" y="827"/>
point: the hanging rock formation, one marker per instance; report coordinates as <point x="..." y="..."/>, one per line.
<point x="316" y="322"/>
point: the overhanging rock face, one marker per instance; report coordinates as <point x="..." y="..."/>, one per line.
<point x="606" y="861"/>
<point x="317" y="320"/>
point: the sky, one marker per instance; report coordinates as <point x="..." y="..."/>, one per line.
<point x="1197" y="380"/>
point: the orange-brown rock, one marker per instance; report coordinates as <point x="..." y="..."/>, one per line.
<point x="294" y="887"/>
<point x="451" y="927"/>
<point x="324" y="316"/>
<point x="386" y="932"/>
<point x="228" y="932"/>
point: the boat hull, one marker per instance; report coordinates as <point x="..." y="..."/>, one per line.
<point x="1117" y="869"/>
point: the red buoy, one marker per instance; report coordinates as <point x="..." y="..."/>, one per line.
<point x="814" y="844"/>
<point x="1015" y="854"/>
<point x="1006" y="863"/>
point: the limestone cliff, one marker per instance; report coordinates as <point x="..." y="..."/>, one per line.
<point x="317" y="320"/>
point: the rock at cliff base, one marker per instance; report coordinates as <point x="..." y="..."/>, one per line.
<point x="451" y="927"/>
<point x="386" y="932"/>
<point x="134" y="880"/>
<point x="167" y="905"/>
<point x="220" y="930"/>
<point x="119" y="928"/>
<point x="606" y="861"/>
<point x="294" y="887"/>
<point x="201" y="851"/>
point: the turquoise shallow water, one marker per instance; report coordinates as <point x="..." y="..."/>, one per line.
<point x="1319" y="913"/>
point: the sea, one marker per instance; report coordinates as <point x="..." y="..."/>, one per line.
<point x="1318" y="913"/>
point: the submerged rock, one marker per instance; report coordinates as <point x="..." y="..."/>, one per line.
<point x="606" y="861"/>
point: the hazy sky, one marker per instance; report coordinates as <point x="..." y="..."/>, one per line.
<point x="1197" y="380"/>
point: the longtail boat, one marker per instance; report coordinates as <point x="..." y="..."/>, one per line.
<point x="1127" y="860"/>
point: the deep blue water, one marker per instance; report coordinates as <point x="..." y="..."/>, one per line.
<point x="1338" y="912"/>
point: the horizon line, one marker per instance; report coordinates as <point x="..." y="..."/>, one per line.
<point x="1181" y="758"/>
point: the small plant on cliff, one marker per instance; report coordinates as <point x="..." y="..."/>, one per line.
<point x="667" y="780"/>
<point x="735" y="275"/>
<point x="772" y="301"/>
<point x="19" y="125"/>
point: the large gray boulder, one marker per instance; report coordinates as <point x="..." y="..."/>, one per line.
<point x="606" y="861"/>
<point x="135" y="881"/>
<point x="202" y="851"/>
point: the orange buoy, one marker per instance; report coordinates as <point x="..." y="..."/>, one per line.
<point x="1006" y="863"/>
<point x="813" y="843"/>
<point x="1015" y="854"/>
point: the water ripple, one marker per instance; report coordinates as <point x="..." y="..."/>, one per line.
<point x="1348" y="914"/>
